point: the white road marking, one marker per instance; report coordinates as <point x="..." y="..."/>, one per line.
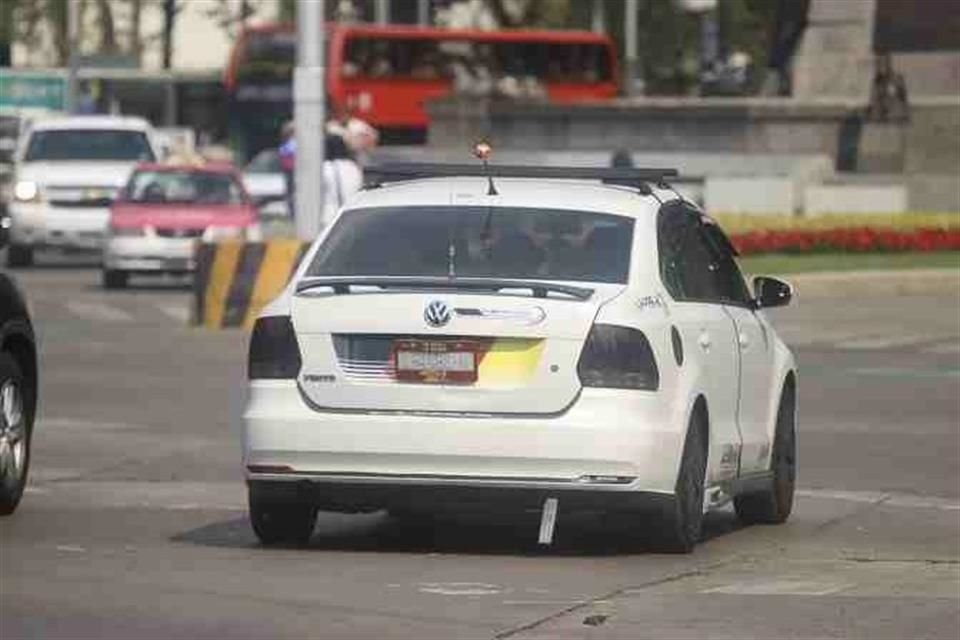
<point x="179" y="312"/>
<point x="888" y="499"/>
<point x="891" y="342"/>
<point x="459" y="588"/>
<point x="87" y="425"/>
<point x="70" y="548"/>
<point x="98" y="311"/>
<point x="780" y="587"/>
<point x="946" y="348"/>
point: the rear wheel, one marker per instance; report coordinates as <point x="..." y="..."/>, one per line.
<point x="682" y="523"/>
<point x="282" y="523"/>
<point x="14" y="434"/>
<point x="19" y="256"/>
<point x="113" y="279"/>
<point x="773" y="506"/>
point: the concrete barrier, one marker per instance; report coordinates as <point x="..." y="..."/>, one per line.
<point x="234" y="280"/>
<point x="855" y="198"/>
<point x="749" y="195"/>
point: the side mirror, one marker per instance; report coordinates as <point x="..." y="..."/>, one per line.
<point x="771" y="292"/>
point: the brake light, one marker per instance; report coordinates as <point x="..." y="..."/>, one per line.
<point x="274" y="353"/>
<point x="618" y="358"/>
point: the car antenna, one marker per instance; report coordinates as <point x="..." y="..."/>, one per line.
<point x="483" y="150"/>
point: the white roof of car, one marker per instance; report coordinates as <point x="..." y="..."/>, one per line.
<point x="579" y="195"/>
<point x="129" y="123"/>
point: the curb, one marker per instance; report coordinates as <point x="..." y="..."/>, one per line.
<point x="902" y="282"/>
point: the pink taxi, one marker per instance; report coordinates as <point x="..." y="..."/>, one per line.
<point x="157" y="219"/>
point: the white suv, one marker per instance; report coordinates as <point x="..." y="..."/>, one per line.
<point x="67" y="171"/>
<point x="504" y="342"/>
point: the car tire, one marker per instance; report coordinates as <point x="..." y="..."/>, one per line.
<point x="113" y="279"/>
<point x="682" y="524"/>
<point x="774" y="505"/>
<point x="19" y="256"/>
<point x="285" y="523"/>
<point x="15" y="431"/>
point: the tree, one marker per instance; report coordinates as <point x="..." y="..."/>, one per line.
<point x="26" y="21"/>
<point x="229" y="19"/>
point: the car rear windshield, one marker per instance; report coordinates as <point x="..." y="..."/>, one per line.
<point x="88" y="144"/>
<point x="499" y="242"/>
<point x="179" y="187"/>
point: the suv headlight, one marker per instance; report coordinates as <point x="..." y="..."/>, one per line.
<point x="26" y="191"/>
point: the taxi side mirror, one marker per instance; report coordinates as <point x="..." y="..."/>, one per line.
<point x="771" y="292"/>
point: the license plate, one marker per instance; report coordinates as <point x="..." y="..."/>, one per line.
<point x="428" y="361"/>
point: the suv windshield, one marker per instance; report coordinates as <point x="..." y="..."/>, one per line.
<point x="499" y="242"/>
<point x="161" y="187"/>
<point x="88" y="144"/>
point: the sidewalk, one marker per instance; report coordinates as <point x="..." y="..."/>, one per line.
<point x="827" y="284"/>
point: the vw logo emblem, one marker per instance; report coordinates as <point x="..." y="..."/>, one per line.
<point x="437" y="313"/>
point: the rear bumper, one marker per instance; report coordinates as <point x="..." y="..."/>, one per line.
<point x="609" y="443"/>
<point x="358" y="496"/>
<point x="44" y="225"/>
<point x="149" y="254"/>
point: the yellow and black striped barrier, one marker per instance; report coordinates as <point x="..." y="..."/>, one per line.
<point x="234" y="279"/>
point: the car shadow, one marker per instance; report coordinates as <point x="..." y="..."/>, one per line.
<point x="147" y="286"/>
<point x="575" y="535"/>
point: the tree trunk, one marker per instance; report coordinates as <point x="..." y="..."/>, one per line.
<point x="57" y="15"/>
<point x="136" y="43"/>
<point x="169" y="18"/>
<point x="108" y="35"/>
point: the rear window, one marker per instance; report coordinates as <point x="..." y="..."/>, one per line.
<point x="497" y="242"/>
<point x="179" y="187"/>
<point x="89" y="144"/>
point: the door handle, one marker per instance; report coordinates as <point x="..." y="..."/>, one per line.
<point x="744" y="340"/>
<point x="704" y="341"/>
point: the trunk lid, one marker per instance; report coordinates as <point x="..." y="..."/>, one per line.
<point x="526" y="349"/>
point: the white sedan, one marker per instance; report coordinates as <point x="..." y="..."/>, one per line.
<point x="521" y="340"/>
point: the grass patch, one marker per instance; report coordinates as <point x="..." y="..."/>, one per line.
<point x="797" y="263"/>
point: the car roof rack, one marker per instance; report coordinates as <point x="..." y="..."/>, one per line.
<point x="376" y="175"/>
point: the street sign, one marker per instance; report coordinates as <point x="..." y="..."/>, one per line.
<point x="20" y="89"/>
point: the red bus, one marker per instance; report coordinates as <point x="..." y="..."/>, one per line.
<point x="384" y="74"/>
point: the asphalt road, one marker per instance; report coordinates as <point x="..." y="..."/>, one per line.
<point x="134" y="522"/>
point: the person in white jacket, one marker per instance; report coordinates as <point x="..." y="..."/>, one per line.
<point x="342" y="176"/>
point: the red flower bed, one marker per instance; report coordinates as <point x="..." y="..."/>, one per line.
<point x="858" y="239"/>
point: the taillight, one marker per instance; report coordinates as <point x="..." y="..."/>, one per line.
<point x="618" y="358"/>
<point x="274" y="353"/>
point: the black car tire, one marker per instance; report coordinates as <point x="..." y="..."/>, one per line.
<point x="13" y="480"/>
<point x="19" y="256"/>
<point x="682" y="524"/>
<point x="113" y="279"/>
<point x="774" y="505"/>
<point x="282" y="523"/>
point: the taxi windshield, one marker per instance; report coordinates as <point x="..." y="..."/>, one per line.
<point x="179" y="187"/>
<point x="498" y="242"/>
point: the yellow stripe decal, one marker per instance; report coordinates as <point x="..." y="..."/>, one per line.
<point x="277" y="265"/>
<point x="510" y="360"/>
<point x="218" y="287"/>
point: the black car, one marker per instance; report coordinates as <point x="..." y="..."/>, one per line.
<point x="18" y="393"/>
